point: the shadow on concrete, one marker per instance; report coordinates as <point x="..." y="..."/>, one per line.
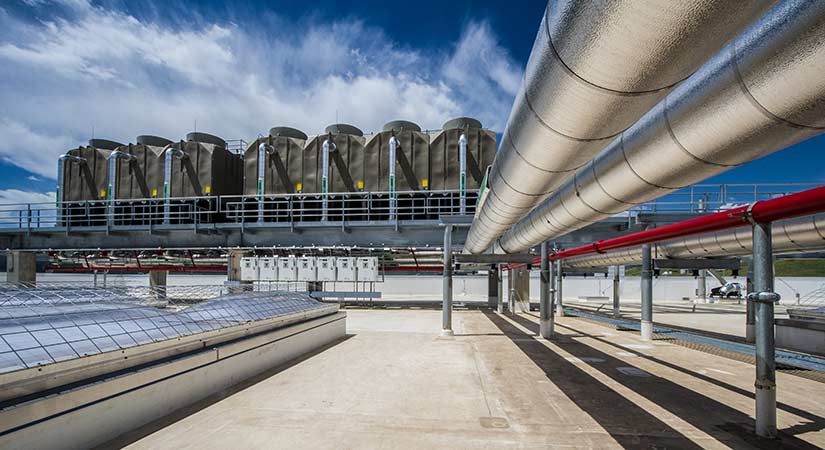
<point x="711" y="416"/>
<point x="184" y="412"/>
<point x="626" y="422"/>
<point x="817" y="423"/>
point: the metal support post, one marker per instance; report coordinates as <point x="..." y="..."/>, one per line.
<point x="447" y="285"/>
<point x="750" y="318"/>
<point x="492" y="287"/>
<point x="647" y="294"/>
<point x="701" y="287"/>
<point x="616" y="287"/>
<point x="546" y="294"/>
<point x="764" y="299"/>
<point x="559" y="290"/>
<point x="500" y="281"/>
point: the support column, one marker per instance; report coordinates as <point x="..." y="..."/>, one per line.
<point x="521" y="286"/>
<point x="447" y="283"/>
<point x="750" y="318"/>
<point x="500" y="287"/>
<point x="546" y="294"/>
<point x="559" y="290"/>
<point x="702" y="287"/>
<point x="157" y="283"/>
<point x="764" y="299"/>
<point x="492" y="287"/>
<point x="616" y="289"/>
<point x="647" y="294"/>
<point x="21" y="267"/>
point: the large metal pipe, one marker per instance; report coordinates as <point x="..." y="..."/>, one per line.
<point x="801" y="234"/>
<point x="762" y="93"/>
<point x="594" y="70"/>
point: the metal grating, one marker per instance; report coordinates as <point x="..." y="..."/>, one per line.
<point x="46" y="325"/>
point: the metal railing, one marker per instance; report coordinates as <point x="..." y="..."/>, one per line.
<point x="239" y="209"/>
<point x="340" y="207"/>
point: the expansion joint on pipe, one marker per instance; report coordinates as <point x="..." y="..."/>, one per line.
<point x="764" y="297"/>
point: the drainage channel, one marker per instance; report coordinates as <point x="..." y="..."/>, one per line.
<point x="806" y="366"/>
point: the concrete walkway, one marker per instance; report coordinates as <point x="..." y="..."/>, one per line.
<point x="395" y="384"/>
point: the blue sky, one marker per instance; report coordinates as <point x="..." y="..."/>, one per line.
<point x="120" y="68"/>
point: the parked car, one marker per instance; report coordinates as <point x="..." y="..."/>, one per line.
<point x="729" y="290"/>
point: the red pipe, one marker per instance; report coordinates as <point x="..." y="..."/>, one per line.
<point x="802" y="203"/>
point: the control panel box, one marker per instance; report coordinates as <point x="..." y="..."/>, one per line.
<point x="367" y="269"/>
<point x="287" y="269"/>
<point x="326" y="268"/>
<point x="345" y="268"/>
<point x="267" y="269"/>
<point x="307" y="269"/>
<point x="249" y="268"/>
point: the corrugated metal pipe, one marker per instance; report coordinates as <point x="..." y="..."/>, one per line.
<point x="595" y="69"/>
<point x="801" y="234"/>
<point x="169" y="153"/>
<point x="763" y="92"/>
<point x="394" y="145"/>
<point x="329" y="146"/>
<point x="462" y="168"/>
<point x="111" y="191"/>
<point x="263" y="149"/>
<point x="61" y="175"/>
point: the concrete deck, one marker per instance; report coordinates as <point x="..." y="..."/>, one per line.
<point x="395" y="384"/>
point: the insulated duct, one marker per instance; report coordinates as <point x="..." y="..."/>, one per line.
<point x="394" y="145"/>
<point x="801" y="234"/>
<point x="595" y="68"/>
<point x="763" y="92"/>
<point x="263" y="149"/>
<point x="61" y="175"/>
<point x="169" y="154"/>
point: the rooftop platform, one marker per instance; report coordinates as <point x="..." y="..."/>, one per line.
<point x="393" y="382"/>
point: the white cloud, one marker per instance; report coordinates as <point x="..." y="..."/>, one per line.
<point x="14" y="196"/>
<point x="103" y="70"/>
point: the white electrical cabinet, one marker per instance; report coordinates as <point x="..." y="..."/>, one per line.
<point x="267" y="269"/>
<point x="307" y="266"/>
<point x="287" y="269"/>
<point x="249" y="269"/>
<point x="345" y="268"/>
<point x="326" y="268"/>
<point x="367" y="269"/>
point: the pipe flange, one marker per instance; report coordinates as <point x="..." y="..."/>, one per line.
<point x="764" y="297"/>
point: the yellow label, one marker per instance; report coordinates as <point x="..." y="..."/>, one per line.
<point x="299" y="187"/>
<point x="360" y="184"/>
<point x="208" y="189"/>
<point x="154" y="192"/>
<point x="425" y="182"/>
<point x="103" y="193"/>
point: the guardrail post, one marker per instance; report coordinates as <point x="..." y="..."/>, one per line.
<point x="647" y="294"/>
<point x="764" y="299"/>
<point x="447" y="283"/>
